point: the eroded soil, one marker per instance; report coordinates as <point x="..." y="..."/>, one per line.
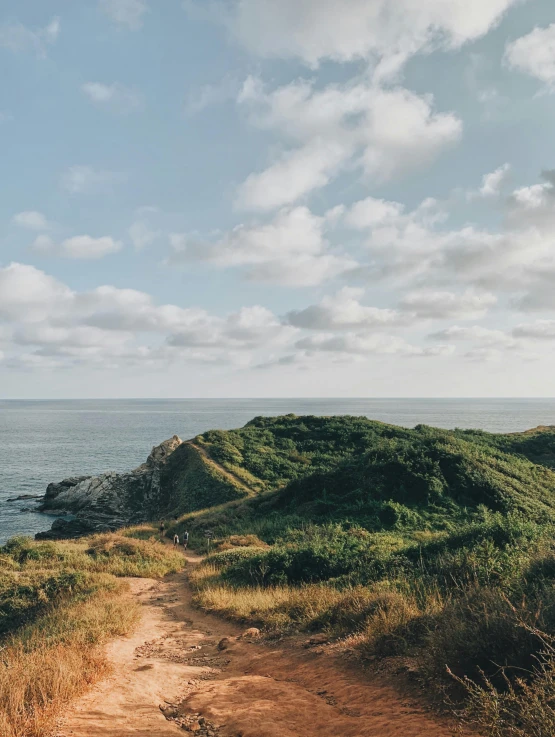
<point x="174" y="675"/>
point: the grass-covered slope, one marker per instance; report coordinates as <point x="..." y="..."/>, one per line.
<point x="537" y="444"/>
<point x="425" y="543"/>
<point x="268" y="452"/>
<point x="190" y="480"/>
<point x="376" y="474"/>
<point x="59" y="603"/>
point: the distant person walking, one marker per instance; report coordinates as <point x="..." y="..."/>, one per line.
<point x="185" y="540"/>
<point x="175" y="541"/>
<point x="162" y="528"/>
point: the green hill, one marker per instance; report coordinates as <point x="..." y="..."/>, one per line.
<point x="344" y="466"/>
<point x="431" y="544"/>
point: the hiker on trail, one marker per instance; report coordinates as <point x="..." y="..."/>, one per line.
<point x="185" y="540"/>
<point x="175" y="541"/>
<point x="162" y="528"/>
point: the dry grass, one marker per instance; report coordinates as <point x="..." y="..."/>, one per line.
<point x="380" y="620"/>
<point x="277" y="607"/>
<point x="378" y="616"/>
<point x="114" y="553"/>
<point x="523" y="706"/>
<point x="241" y="541"/>
<point x="60" y="602"/>
<point x="56" y="658"/>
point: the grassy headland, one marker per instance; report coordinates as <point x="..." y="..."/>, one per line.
<point x="59" y="602"/>
<point x="424" y="543"/>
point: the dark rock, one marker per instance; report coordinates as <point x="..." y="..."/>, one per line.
<point x="25" y="496"/>
<point x="54" y="490"/>
<point x="63" y="529"/>
<point x="109" y="501"/>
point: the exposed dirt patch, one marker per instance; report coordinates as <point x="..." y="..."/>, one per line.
<point x="171" y="676"/>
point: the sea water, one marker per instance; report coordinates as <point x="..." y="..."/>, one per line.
<point x="44" y="441"/>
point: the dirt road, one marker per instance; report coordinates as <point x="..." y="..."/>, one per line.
<point x="246" y="689"/>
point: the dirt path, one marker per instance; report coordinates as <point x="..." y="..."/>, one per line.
<point x="248" y="689"/>
<point x="229" y="474"/>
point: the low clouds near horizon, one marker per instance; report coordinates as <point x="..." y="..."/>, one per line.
<point x="293" y="198"/>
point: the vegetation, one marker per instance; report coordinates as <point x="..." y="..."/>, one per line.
<point x="435" y="545"/>
<point x="58" y="603"/>
<point x="425" y="543"/>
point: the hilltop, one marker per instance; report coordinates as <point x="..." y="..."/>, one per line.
<point x="332" y="467"/>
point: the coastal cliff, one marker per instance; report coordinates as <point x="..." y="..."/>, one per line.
<point x="274" y="453"/>
<point x="176" y="478"/>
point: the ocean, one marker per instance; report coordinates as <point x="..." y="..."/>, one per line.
<point x="43" y="441"/>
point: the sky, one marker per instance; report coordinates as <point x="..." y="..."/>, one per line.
<point x="274" y="198"/>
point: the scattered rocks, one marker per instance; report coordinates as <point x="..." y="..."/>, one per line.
<point x="170" y="712"/>
<point x="251" y="634"/>
<point x="80" y="526"/>
<point x="21" y="497"/>
<point x="315" y="640"/>
<point x="194" y="723"/>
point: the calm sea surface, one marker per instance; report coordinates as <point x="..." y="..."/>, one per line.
<point x="44" y="441"/>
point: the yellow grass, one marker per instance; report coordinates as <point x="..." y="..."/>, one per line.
<point x="56" y="658"/>
<point x="114" y="553"/>
<point x="69" y="595"/>
<point x="378" y="619"/>
<point x="277" y="607"/>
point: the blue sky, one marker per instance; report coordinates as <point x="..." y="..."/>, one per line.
<point x="277" y="198"/>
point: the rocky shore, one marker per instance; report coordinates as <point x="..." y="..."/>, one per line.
<point x="107" y="502"/>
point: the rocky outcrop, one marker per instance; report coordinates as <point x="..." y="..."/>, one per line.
<point x="80" y="526"/>
<point x="111" y="500"/>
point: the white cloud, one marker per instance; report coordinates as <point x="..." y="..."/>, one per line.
<point x="364" y="344"/>
<point x="343" y="311"/>
<point x="87" y="180"/>
<point x="87" y="247"/>
<point x="249" y="328"/>
<point x="106" y="326"/>
<point x="534" y="54"/>
<point x="127" y="13"/>
<point x="78" y="247"/>
<point x="141" y="235"/>
<point x="373" y="212"/>
<point x="31" y="220"/>
<point x="417" y="248"/>
<point x="26" y="293"/>
<point x="429" y="303"/>
<point x="486" y="336"/>
<point x="44" y="243"/>
<point x="346" y="30"/>
<point x="291" y="249"/>
<point x="402" y="244"/>
<point x="210" y="95"/>
<point x="493" y="182"/>
<point x="295" y="174"/>
<point x="539" y="330"/>
<point x="17" y="37"/>
<point x="115" y="96"/>
<point x="382" y="132"/>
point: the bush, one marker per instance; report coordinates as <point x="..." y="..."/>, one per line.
<point x="245" y="541"/>
<point x="233" y="556"/>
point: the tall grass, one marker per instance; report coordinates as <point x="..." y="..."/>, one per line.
<point x="465" y="605"/>
<point x="59" y="603"/>
<point x="56" y="658"/>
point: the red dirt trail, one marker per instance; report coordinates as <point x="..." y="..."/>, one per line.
<point x="250" y="689"/>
